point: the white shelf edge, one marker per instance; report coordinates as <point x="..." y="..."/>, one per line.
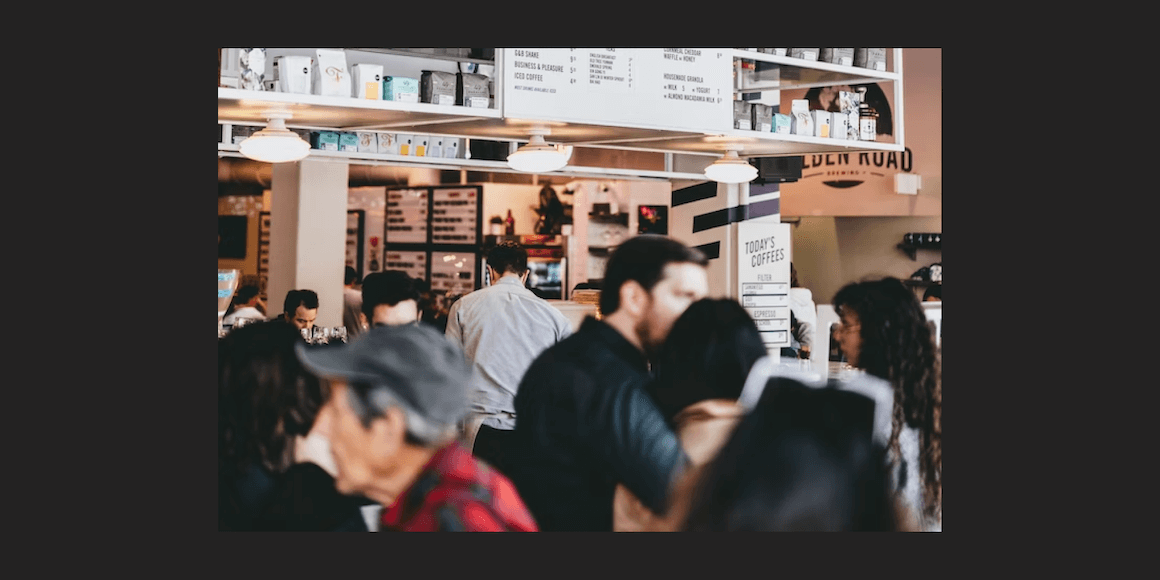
<point x="869" y="73"/>
<point x="353" y="103"/>
<point x="847" y="143"/>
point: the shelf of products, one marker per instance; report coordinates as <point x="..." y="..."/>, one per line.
<point x="352" y="114"/>
<point x="797" y="73"/>
<point x="912" y="249"/>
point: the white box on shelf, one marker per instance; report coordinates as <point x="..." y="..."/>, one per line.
<point x="368" y="81"/>
<point x="839" y="125"/>
<point x="907" y="183"/>
<point x="803" y="122"/>
<point x="821" y="123"/>
<point x="388" y="144"/>
<point x="368" y="142"/>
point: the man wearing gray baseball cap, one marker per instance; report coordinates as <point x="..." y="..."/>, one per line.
<point x="396" y="397"/>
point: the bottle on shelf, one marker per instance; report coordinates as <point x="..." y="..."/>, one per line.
<point x="509" y="224"/>
<point x="867" y="118"/>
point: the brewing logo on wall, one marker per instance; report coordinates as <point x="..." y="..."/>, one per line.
<point x="845" y="170"/>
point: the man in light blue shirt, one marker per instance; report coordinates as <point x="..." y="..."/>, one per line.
<point x="502" y="329"/>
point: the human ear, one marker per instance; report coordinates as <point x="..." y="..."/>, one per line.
<point x="633" y="298"/>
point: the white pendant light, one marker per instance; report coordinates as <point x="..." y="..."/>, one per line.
<point x="537" y="156"/>
<point x="275" y="143"/>
<point x="731" y="169"/>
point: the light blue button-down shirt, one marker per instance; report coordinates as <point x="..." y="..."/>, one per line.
<point x="502" y="329"/>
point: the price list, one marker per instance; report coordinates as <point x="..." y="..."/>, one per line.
<point x="413" y="263"/>
<point x="763" y="279"/>
<point x="455" y="216"/>
<point x="406" y="216"/>
<point x="453" y="272"/>
<point x="669" y="88"/>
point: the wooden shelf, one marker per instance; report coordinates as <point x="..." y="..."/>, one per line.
<point x="912" y="250"/>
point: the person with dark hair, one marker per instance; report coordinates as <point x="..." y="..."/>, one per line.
<point x="583" y="420"/>
<point x="247" y="303"/>
<point x="883" y="331"/>
<point x="700" y="373"/>
<point x="390" y="298"/>
<point x="804" y="313"/>
<point x="803" y="459"/>
<point x="502" y="329"/>
<point x="351" y="303"/>
<point x="267" y="450"/>
<point x="300" y="308"/>
<point x="397" y="396"/>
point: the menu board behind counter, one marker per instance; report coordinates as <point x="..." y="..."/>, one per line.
<point x="763" y="278"/>
<point x="407" y="213"/>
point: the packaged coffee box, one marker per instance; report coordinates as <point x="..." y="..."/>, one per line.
<point x="324" y="140"/>
<point x="406" y="144"/>
<point x="871" y="58"/>
<point x="239" y="133"/>
<point x="821" y="123"/>
<point x="849" y="103"/>
<point x="452" y="147"/>
<point x="419" y="145"/>
<point x="295" y="74"/>
<point x="782" y="123"/>
<point x="368" y="141"/>
<point x="388" y="144"/>
<point x="472" y="90"/>
<point x="804" y="53"/>
<point x="742" y="115"/>
<point x="435" y="146"/>
<point x="842" y="56"/>
<point x="437" y="88"/>
<point x="839" y="128"/>
<point x="368" y="81"/>
<point x="331" y="77"/>
<point x="762" y="118"/>
<point x="803" y="121"/>
<point x="348" y="141"/>
<point x="402" y="89"/>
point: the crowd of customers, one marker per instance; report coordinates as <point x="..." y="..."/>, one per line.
<point x="663" y="412"/>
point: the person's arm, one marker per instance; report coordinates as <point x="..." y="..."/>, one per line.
<point x="454" y="330"/>
<point x="643" y="453"/>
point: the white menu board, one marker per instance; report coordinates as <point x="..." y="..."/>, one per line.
<point x="763" y="256"/>
<point x="406" y="216"/>
<point x="413" y="263"/>
<point x="666" y="88"/>
<point x="455" y="216"/>
<point x="453" y="272"/>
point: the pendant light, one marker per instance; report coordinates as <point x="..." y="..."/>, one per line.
<point x="275" y="143"/>
<point x="731" y="169"/>
<point x="537" y="156"/>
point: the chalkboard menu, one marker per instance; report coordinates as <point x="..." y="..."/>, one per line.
<point x="665" y="88"/>
<point x="407" y="216"/>
<point x="455" y="216"/>
<point x="433" y="234"/>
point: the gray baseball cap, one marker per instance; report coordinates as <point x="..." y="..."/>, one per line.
<point x="424" y="369"/>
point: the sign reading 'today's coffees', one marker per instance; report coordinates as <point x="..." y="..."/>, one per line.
<point x="763" y="277"/>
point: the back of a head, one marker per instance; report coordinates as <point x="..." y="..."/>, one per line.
<point x="389" y="287"/>
<point x="350" y="276"/>
<point x="306" y="298"/>
<point x="245" y="294"/>
<point x="802" y="460"/>
<point x="708" y="355"/>
<point x="265" y="396"/>
<point x="642" y="259"/>
<point x="508" y="257"/>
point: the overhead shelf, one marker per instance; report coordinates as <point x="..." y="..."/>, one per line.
<point x="796" y="73"/>
<point x="343" y="113"/>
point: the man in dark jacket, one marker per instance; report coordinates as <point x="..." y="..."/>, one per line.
<point x="584" y="422"/>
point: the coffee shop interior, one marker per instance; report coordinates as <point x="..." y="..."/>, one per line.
<point x="428" y="180"/>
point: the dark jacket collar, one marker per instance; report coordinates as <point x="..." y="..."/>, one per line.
<point x="615" y="342"/>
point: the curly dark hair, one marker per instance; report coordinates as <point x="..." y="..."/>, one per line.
<point x="265" y="398"/>
<point x="898" y="346"/>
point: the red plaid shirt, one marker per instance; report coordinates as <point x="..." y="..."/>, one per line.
<point x="457" y="492"/>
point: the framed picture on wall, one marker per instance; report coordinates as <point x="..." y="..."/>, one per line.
<point x="652" y="219"/>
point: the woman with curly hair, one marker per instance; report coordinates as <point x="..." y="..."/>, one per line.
<point x="884" y="331"/>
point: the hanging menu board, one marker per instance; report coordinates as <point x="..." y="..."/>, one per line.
<point x="411" y="262"/>
<point x="455" y="216"/>
<point x="406" y="216"/>
<point x="763" y="256"/>
<point x="666" y="88"/>
<point x="354" y="235"/>
<point x="453" y="272"/>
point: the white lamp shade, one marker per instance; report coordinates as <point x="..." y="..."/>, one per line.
<point x="275" y="146"/>
<point x="731" y="169"/>
<point x="538" y="157"/>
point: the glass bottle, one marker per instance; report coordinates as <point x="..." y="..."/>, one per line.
<point x="509" y="224"/>
<point x="867" y="118"/>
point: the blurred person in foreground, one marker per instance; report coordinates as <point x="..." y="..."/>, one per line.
<point x="268" y="454"/>
<point x="351" y="303"/>
<point x="389" y="298"/>
<point x="247" y="303"/>
<point x="805" y="315"/>
<point x="583" y="420"/>
<point x="803" y="460"/>
<point x="300" y="308"/>
<point x="884" y="331"/>
<point x="700" y="373"/>
<point x="502" y="329"/>
<point x="396" y="397"/>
